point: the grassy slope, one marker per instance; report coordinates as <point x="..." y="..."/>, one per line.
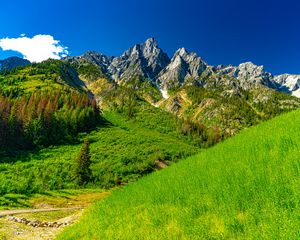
<point x="244" y="188"/>
<point x="54" y="199"/>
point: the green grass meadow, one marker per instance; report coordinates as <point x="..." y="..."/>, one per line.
<point x="247" y="187"/>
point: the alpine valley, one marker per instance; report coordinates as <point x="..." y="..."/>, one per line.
<point x="98" y="122"/>
<point x="52" y="103"/>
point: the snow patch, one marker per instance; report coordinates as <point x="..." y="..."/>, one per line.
<point x="296" y="93"/>
<point x="164" y="93"/>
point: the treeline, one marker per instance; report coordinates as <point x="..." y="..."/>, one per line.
<point x="44" y="119"/>
<point x="204" y="136"/>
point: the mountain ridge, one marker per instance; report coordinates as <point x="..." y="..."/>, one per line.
<point x="228" y="98"/>
<point x="224" y="98"/>
<point x="13" y="62"/>
<point x="148" y="61"/>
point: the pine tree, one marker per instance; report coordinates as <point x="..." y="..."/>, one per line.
<point x="82" y="171"/>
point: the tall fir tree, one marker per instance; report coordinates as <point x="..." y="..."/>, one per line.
<point x="82" y="171"/>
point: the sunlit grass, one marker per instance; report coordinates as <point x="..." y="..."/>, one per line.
<point x="244" y="188"/>
<point x="53" y="199"/>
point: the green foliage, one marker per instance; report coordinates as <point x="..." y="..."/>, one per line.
<point x="121" y="151"/>
<point x="244" y="188"/>
<point x="127" y="101"/>
<point x="231" y="109"/>
<point x="200" y="134"/>
<point x="207" y="114"/>
<point x="45" y="76"/>
<point x="90" y="71"/>
<point x="43" y="104"/>
<point x="82" y="171"/>
<point x="123" y="100"/>
<point x="44" y="119"/>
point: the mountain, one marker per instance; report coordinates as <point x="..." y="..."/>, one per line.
<point x="13" y="62"/>
<point x="48" y="75"/>
<point x="248" y="74"/>
<point x="142" y="112"/>
<point x="144" y="60"/>
<point x="101" y="61"/>
<point x="289" y="83"/>
<point x="252" y="75"/>
<point x="148" y="61"/>
<point x="227" y="98"/>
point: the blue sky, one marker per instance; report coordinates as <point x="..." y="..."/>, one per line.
<point x="228" y="32"/>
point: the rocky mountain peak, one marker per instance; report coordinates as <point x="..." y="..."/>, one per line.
<point x="181" y="52"/>
<point x="289" y="83"/>
<point x="251" y="74"/>
<point x="149" y="47"/>
<point x="97" y="58"/>
<point x="145" y="60"/>
<point x="251" y="68"/>
<point x="187" y="56"/>
<point x="183" y="66"/>
<point x="151" y="43"/>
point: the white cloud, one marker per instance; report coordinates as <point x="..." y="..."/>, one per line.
<point x="36" y="49"/>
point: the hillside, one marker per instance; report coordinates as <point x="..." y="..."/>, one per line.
<point x="41" y="105"/>
<point x="12" y="63"/>
<point x="244" y="188"/>
<point x="45" y="76"/>
<point x="119" y="155"/>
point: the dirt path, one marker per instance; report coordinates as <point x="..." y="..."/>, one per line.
<point x="61" y="207"/>
<point x="11" y="230"/>
<point x="4" y="213"/>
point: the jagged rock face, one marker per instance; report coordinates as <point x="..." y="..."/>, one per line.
<point x="250" y="75"/>
<point x="142" y="61"/>
<point x="13" y="62"/>
<point x="183" y="67"/>
<point x="145" y="60"/>
<point x="93" y="57"/>
<point x="229" y="70"/>
<point x="97" y="58"/>
<point x="289" y="83"/>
